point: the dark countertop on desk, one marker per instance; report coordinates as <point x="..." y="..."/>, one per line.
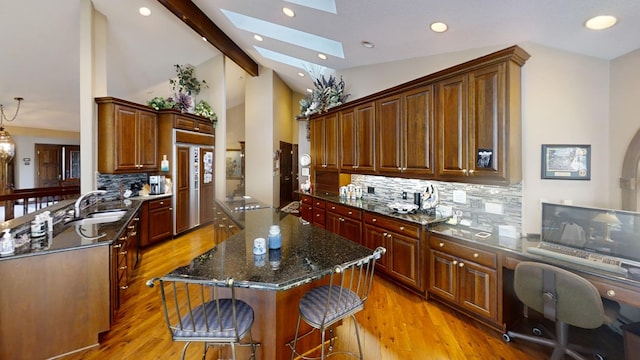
<point x="65" y="237"/>
<point x="367" y="203"/>
<point x="308" y="253"/>
<point x="518" y="247"/>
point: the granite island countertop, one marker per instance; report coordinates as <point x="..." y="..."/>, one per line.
<point x="307" y="253"/>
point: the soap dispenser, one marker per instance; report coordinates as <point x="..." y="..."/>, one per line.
<point x="7" y="245"/>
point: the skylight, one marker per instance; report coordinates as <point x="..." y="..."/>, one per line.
<point x="290" y="60"/>
<point x="283" y="33"/>
<point x="324" y="5"/>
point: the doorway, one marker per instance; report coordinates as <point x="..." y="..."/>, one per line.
<point x="288" y="152"/>
<point x="56" y="165"/>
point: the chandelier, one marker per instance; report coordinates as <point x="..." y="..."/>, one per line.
<point x="7" y="146"/>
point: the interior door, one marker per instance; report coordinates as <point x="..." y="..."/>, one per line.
<point x="286" y="173"/>
<point x="48" y="164"/>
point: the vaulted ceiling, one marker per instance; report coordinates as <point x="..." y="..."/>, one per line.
<point x="40" y="51"/>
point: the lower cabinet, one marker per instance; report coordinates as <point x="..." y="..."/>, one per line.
<point x="344" y="221"/>
<point x="224" y="227"/>
<point x="464" y="277"/>
<point x="319" y="213"/>
<point x="403" y="260"/>
<point x="156" y="223"/>
<point x="306" y="208"/>
<point x="123" y="262"/>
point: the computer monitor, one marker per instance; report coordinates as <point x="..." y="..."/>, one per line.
<point x="610" y="232"/>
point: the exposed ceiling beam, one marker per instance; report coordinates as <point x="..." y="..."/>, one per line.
<point x="191" y="15"/>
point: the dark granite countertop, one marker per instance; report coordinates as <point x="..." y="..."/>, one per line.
<point x="421" y="217"/>
<point x="70" y="237"/>
<point x="308" y="253"/>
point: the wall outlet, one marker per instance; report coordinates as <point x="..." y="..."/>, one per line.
<point x="459" y="196"/>
<point x="371" y="190"/>
<point x="493" y="208"/>
<point x="404" y="195"/>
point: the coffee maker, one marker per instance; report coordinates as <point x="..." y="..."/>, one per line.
<point x="156" y="184"/>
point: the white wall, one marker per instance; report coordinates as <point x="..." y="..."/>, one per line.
<point x="624" y="116"/>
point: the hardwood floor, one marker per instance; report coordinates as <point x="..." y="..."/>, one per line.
<point x="395" y="325"/>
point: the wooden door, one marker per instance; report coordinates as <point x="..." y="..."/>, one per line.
<point x="388" y="128"/>
<point x="48" y="165"/>
<point x="71" y="162"/>
<point x="182" y="189"/>
<point x="405" y="260"/>
<point x="418" y="132"/>
<point x="487" y="123"/>
<point x="287" y="177"/>
<point x="207" y="189"/>
<point x="478" y="289"/>
<point x="443" y="280"/>
<point x="452" y="127"/>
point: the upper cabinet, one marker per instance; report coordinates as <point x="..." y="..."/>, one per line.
<point x="405" y="127"/>
<point x="357" y="137"/>
<point x="127" y="137"/>
<point x="459" y="124"/>
<point x="478" y="125"/>
<point x="324" y="142"/>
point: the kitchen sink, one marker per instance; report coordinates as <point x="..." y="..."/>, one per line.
<point x="107" y="213"/>
<point x="99" y="217"/>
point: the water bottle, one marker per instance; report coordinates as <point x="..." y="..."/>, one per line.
<point x="275" y="237"/>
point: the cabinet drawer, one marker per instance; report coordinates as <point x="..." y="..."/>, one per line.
<point x="307" y="200"/>
<point x="318" y="217"/>
<point x="317" y="203"/>
<point x="481" y="257"/>
<point x="344" y="211"/>
<point x="155" y="204"/>
<point x="397" y="226"/>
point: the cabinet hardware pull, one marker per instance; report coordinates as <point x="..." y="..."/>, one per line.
<point x="131" y="227"/>
<point x="441" y="244"/>
<point x="399" y="168"/>
<point x="196" y="128"/>
<point x="123" y="252"/>
<point x="133" y="233"/>
<point x="384" y="234"/>
<point x="611" y="292"/>
<point x="389" y="236"/>
<point x="125" y="287"/>
<point x="136" y="219"/>
<point x="461" y="264"/>
<point x="117" y="246"/>
<point x="161" y="202"/>
<point x="374" y="219"/>
<point x="455" y="262"/>
<point x="401" y="228"/>
<point x="123" y="267"/>
<point x="170" y="209"/>
<point x="333" y="208"/>
<point x="471" y="171"/>
<point x="341" y="219"/>
<point x="123" y="238"/>
<point x="475" y="255"/>
<point x="350" y="213"/>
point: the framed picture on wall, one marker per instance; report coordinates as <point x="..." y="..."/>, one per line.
<point x="234" y="164"/>
<point x="567" y="162"/>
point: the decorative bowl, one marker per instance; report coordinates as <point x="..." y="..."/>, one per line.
<point x="403" y="208"/>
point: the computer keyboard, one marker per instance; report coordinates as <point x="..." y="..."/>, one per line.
<point x="580" y="257"/>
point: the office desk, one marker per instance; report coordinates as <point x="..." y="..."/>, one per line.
<point x="273" y="284"/>
<point x="509" y="252"/>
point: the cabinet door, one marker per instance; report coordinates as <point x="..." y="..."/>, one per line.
<point x="317" y="142"/>
<point x="477" y="289"/>
<point x="306" y="208"/>
<point x="389" y="144"/>
<point x="348" y="139"/>
<point x="125" y="139"/>
<point x="374" y="237"/>
<point x="160" y="221"/>
<point x="443" y="279"/>
<point x="332" y="222"/>
<point x="147" y="140"/>
<point x="182" y="188"/>
<point x="452" y="127"/>
<point x="405" y="260"/>
<point x="487" y="123"/>
<point x="206" y="182"/>
<point x="351" y="229"/>
<point x="331" y="141"/>
<point x="365" y="139"/>
<point x="418" y="132"/>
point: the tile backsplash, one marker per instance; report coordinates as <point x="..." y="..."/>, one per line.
<point x="506" y="200"/>
<point x="114" y="184"/>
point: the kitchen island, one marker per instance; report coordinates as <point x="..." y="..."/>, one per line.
<point x="274" y="283"/>
<point x="56" y="290"/>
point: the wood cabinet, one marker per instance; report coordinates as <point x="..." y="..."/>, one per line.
<point x="344" y="221"/>
<point x="318" y="213"/>
<point x="224" y="227"/>
<point x="306" y="208"/>
<point x="357" y="139"/>
<point x="478" y="122"/>
<point x="464" y="277"/>
<point x="123" y="263"/>
<point x="324" y="142"/>
<point x="192" y="122"/>
<point x="403" y="260"/>
<point x="156" y="221"/>
<point x="405" y="128"/>
<point x="127" y="137"/>
<point x="182" y="186"/>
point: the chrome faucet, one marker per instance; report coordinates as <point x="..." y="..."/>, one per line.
<point x="83" y="197"/>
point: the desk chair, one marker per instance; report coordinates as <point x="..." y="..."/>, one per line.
<point x="565" y="298"/>
<point x="205" y="311"/>
<point x="346" y="294"/>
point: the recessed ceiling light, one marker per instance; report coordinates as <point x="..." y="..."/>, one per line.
<point x="438" y="27"/>
<point x="288" y="12"/>
<point x="144" y="11"/>
<point x="322" y="56"/>
<point x="601" y="22"/>
<point x="257" y="37"/>
<point x="367" y="44"/>
<point x="301" y="74"/>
